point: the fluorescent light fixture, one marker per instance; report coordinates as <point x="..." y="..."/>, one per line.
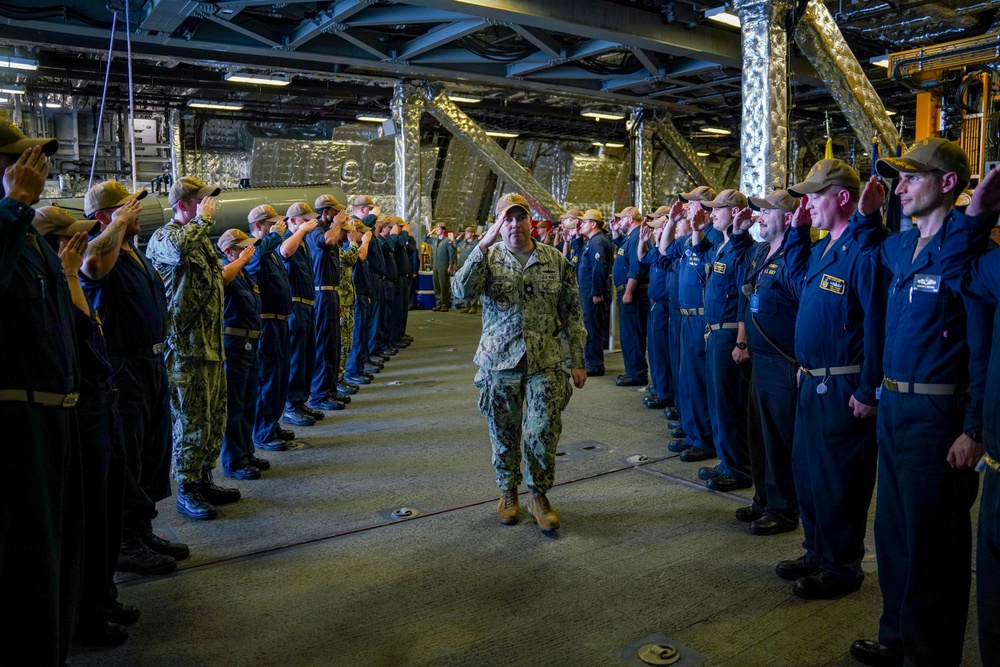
<point x="53" y="105"/>
<point x="596" y="143"/>
<point x="262" y="79"/>
<point x="12" y="90"/>
<point x="18" y="63"/>
<point x="722" y="15"/>
<point x="702" y="154"/>
<point x="603" y="115"/>
<point x="881" y="61"/>
<point x="209" y="104"/>
<point x="501" y="135"/>
<point x="721" y="131"/>
<point x="460" y="97"/>
<point x="611" y="144"/>
<point x="888" y="112"/>
<point x="372" y="119"/>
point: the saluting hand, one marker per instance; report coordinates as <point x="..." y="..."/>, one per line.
<point x="340" y="218"/>
<point x="280" y="228"/>
<point x="127" y="213"/>
<point x="366" y="237"/>
<point x="743" y="218"/>
<point x="985" y="198"/>
<point x="309" y="225"/>
<point x="71" y="252"/>
<point x="701" y="219"/>
<point x="645" y="233"/>
<point x="491" y="235"/>
<point x="872" y="197"/>
<point x="206" y="209"/>
<point x="802" y="217"/>
<point x="25" y="179"/>
<point x="676" y="212"/>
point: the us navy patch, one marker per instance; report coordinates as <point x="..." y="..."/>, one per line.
<point x="719" y="267"/>
<point x="833" y="284"/>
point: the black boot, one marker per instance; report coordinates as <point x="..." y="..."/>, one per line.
<point x="191" y="502"/>
<point x="215" y="494"/>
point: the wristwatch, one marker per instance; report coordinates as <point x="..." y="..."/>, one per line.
<point x="741" y="346"/>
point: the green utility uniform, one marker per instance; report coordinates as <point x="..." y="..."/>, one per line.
<point x="348" y="297"/>
<point x="192" y="274"/>
<point x="527" y="314"/>
<point x="442" y="256"/>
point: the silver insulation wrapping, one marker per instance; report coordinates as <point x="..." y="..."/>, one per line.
<point x="407" y="107"/>
<point x="684" y="153"/>
<point x="176" y="145"/>
<point x="764" y="134"/>
<point x="642" y="160"/>
<point x="823" y="44"/>
<point x="462" y="187"/>
<point x="465" y="129"/>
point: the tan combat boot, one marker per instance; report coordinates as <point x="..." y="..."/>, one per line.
<point x="545" y="516"/>
<point x="508" y="507"/>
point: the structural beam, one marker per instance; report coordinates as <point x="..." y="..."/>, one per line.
<point x="439" y="37"/>
<point x="315" y="27"/>
<point x="503" y="165"/>
<point x="545" y="43"/>
<point x="764" y="132"/>
<point x="166" y="15"/>
<point x="641" y="144"/>
<point x="684" y="154"/>
<point x="407" y="107"/>
<point x="821" y="41"/>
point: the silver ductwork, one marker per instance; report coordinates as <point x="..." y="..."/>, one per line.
<point x="764" y="133"/>
<point x="683" y="153"/>
<point x="823" y="44"/>
<point x="407" y="107"/>
<point x="506" y="167"/>
<point x="641" y="140"/>
<point x="174" y="136"/>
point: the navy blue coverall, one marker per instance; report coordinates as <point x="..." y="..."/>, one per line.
<point x="593" y="271"/>
<point x="658" y="325"/>
<point x="326" y="282"/>
<point x="632" y="316"/>
<point x="301" y="324"/>
<point x="240" y="336"/>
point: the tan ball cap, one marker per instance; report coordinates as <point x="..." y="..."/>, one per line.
<point x="109" y="194"/>
<point x="58" y="221"/>
<point x="780" y="199"/>
<point x="824" y="174"/>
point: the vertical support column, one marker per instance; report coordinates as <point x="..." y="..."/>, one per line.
<point x="641" y="139"/>
<point x="764" y="133"/>
<point x="407" y="106"/>
<point x="176" y="144"/>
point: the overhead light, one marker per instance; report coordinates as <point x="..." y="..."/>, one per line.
<point x="501" y="135"/>
<point x="12" y="90"/>
<point x="372" y="119"/>
<point x="887" y="111"/>
<point x="262" y="79"/>
<point x="210" y="104"/>
<point x="596" y="143"/>
<point x="702" y="154"/>
<point x="881" y="61"/>
<point x="722" y="15"/>
<point x="53" y="105"/>
<point x="18" y="63"/>
<point x="602" y="115"/>
<point x="468" y="99"/>
<point x="721" y="131"/>
<point x="611" y="144"/>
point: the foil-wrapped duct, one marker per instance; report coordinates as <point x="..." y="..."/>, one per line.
<point x="462" y="188"/>
<point x="407" y="106"/>
<point x="641" y="140"/>
<point x="684" y="153"/>
<point x="174" y="129"/>
<point x="764" y="134"/>
<point x="823" y="44"/>
<point x="463" y="127"/>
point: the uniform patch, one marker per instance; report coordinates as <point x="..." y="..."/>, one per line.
<point x="502" y="303"/>
<point x="833" y="284"/>
<point x="719" y="267"/>
<point x="925" y="282"/>
<point x="621" y="251"/>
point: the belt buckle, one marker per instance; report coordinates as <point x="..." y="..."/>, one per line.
<point x="69" y="400"/>
<point x="891" y="385"/>
<point x="158" y="348"/>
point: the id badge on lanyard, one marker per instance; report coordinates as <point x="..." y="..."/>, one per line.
<point x="754" y="303"/>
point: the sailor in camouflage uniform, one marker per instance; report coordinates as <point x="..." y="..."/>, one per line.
<point x="530" y="305"/>
<point x="186" y="260"/>
<point x="351" y="251"/>
<point x="463" y="248"/>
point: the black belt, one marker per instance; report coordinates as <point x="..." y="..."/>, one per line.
<point x="45" y="398"/>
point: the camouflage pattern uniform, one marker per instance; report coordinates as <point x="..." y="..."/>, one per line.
<point x="463" y="249"/>
<point x="192" y="274"/>
<point x="348" y="297"/>
<point x="527" y="315"/>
